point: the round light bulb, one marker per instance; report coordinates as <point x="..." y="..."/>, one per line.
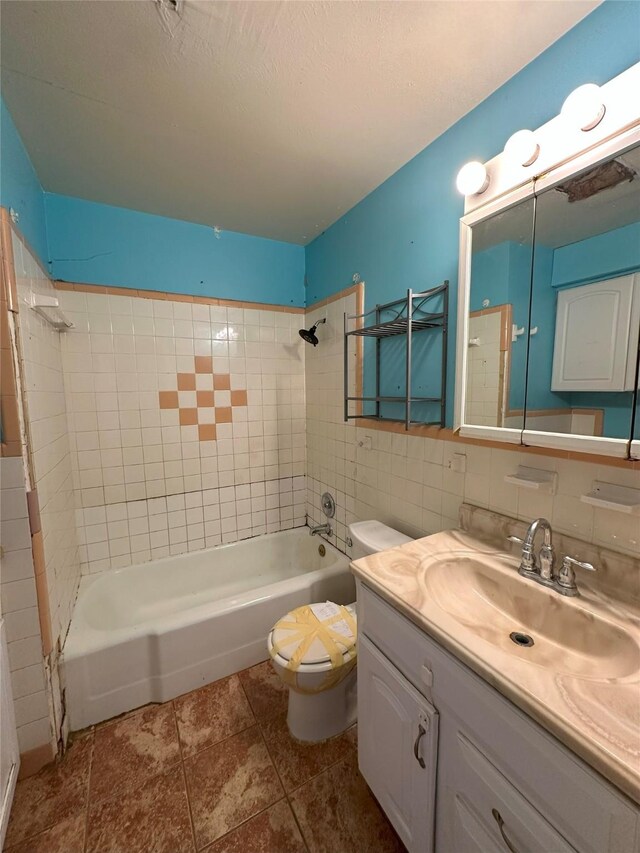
<point x="472" y="178"/>
<point x="522" y="148"/>
<point x="584" y="107"/>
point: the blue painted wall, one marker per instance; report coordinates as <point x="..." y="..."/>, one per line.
<point x="406" y="231"/>
<point x="19" y="185"/>
<point x="613" y="253"/>
<point x="100" y="244"/>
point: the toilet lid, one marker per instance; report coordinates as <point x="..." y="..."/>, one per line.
<point x="315" y="634"/>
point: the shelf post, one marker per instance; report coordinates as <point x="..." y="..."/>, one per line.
<point x="407" y="411"/>
<point x="346" y="368"/>
<point x="445" y="320"/>
<point x="378" y="345"/>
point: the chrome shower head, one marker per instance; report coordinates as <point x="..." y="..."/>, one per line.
<point x="309" y="335"/>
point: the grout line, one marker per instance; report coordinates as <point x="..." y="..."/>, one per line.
<point x="242" y="823"/>
<point x="297" y="822"/>
<point x="319" y="773"/>
<point x="271" y="758"/>
<point x="88" y="797"/>
<point x="286" y="793"/>
<point x="184" y="775"/>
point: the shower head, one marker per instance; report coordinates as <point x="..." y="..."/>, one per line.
<point x="309" y="335"/>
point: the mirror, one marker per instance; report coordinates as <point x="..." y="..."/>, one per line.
<point x="585" y="302"/>
<point x="549" y="310"/>
<point x="501" y="265"/>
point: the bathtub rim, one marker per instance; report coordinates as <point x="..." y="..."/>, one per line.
<point x="90" y="639"/>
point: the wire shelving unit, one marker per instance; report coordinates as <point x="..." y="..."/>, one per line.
<point x="416" y="313"/>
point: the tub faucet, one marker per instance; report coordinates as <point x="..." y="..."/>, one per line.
<point x="542" y="571"/>
<point x="321" y="528"/>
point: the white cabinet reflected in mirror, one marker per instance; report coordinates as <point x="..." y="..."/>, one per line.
<point x="585" y="302"/>
<point x="549" y="309"/>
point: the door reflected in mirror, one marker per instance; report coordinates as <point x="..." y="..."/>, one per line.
<point x="585" y="303"/>
<point x="501" y="265"/>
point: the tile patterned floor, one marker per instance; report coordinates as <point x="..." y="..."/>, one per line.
<point x="215" y="770"/>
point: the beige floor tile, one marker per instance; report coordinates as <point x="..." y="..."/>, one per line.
<point x="229" y="783"/>
<point x="129" y="752"/>
<point x="211" y="714"/>
<point x="273" y="831"/>
<point x="153" y="819"/>
<point x="297" y="762"/>
<point x="266" y="692"/>
<point x="57" y="792"/>
<point x="337" y="812"/>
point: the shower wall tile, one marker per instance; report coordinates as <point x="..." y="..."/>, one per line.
<point x="48" y="440"/>
<point x="122" y="534"/>
<point x="413" y="483"/>
<point x="19" y="609"/>
<point x="171" y="401"/>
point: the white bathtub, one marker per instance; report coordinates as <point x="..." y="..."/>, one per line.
<point x="150" y="632"/>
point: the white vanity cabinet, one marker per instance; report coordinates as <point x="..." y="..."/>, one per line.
<point x="502" y="782"/>
<point x="395" y="720"/>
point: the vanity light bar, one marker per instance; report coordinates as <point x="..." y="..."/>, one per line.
<point x="584" y="108"/>
<point x="590" y="114"/>
<point x="522" y="148"/>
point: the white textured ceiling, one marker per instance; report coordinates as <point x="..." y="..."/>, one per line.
<point x="271" y="118"/>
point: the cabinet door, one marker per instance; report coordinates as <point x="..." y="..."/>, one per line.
<point x="397" y="747"/>
<point x="597" y="336"/>
<point x="479" y="808"/>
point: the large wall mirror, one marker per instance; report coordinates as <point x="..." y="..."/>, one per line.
<point x="550" y="302"/>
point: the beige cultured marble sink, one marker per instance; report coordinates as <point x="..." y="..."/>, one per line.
<point x="581" y="677"/>
<point x="487" y="597"/>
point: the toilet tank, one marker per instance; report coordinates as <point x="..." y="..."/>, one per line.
<point x="369" y="537"/>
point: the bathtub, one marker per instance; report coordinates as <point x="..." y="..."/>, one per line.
<point x="153" y="631"/>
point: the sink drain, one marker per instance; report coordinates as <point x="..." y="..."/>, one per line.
<point x="521" y="639"/>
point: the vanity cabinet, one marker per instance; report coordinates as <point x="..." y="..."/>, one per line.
<point x="502" y="782"/>
<point x="396" y="721"/>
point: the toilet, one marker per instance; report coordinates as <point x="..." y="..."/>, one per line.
<point x="313" y="649"/>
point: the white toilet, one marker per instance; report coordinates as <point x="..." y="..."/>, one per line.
<point x="313" y="650"/>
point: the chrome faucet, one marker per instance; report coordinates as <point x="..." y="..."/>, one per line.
<point x="542" y="570"/>
<point x="321" y="528"/>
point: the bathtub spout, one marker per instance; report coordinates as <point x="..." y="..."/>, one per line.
<point x="321" y="528"/>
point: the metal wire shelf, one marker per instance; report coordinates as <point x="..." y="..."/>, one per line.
<point x="409" y="315"/>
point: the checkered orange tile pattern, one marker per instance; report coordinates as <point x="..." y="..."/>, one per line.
<point x="204" y="398"/>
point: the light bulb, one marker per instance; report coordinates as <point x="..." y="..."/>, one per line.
<point x="584" y="107"/>
<point x="522" y="148"/>
<point x="472" y="178"/>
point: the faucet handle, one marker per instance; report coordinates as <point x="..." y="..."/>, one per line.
<point x="571" y="561"/>
<point x="566" y="579"/>
<point x="527" y="560"/>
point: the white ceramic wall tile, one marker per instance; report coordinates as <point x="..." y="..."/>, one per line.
<point x="126" y="450"/>
<point x="49" y="443"/>
<point x="18" y="605"/>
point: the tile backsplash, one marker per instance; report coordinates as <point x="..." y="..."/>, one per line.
<point x="186" y="423"/>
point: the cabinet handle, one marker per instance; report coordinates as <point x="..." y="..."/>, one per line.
<point x="498" y="819"/>
<point x="416" y="746"/>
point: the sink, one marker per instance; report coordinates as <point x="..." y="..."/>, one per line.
<point x="485" y="595"/>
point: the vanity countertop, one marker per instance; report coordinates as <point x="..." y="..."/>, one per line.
<point x="596" y="716"/>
